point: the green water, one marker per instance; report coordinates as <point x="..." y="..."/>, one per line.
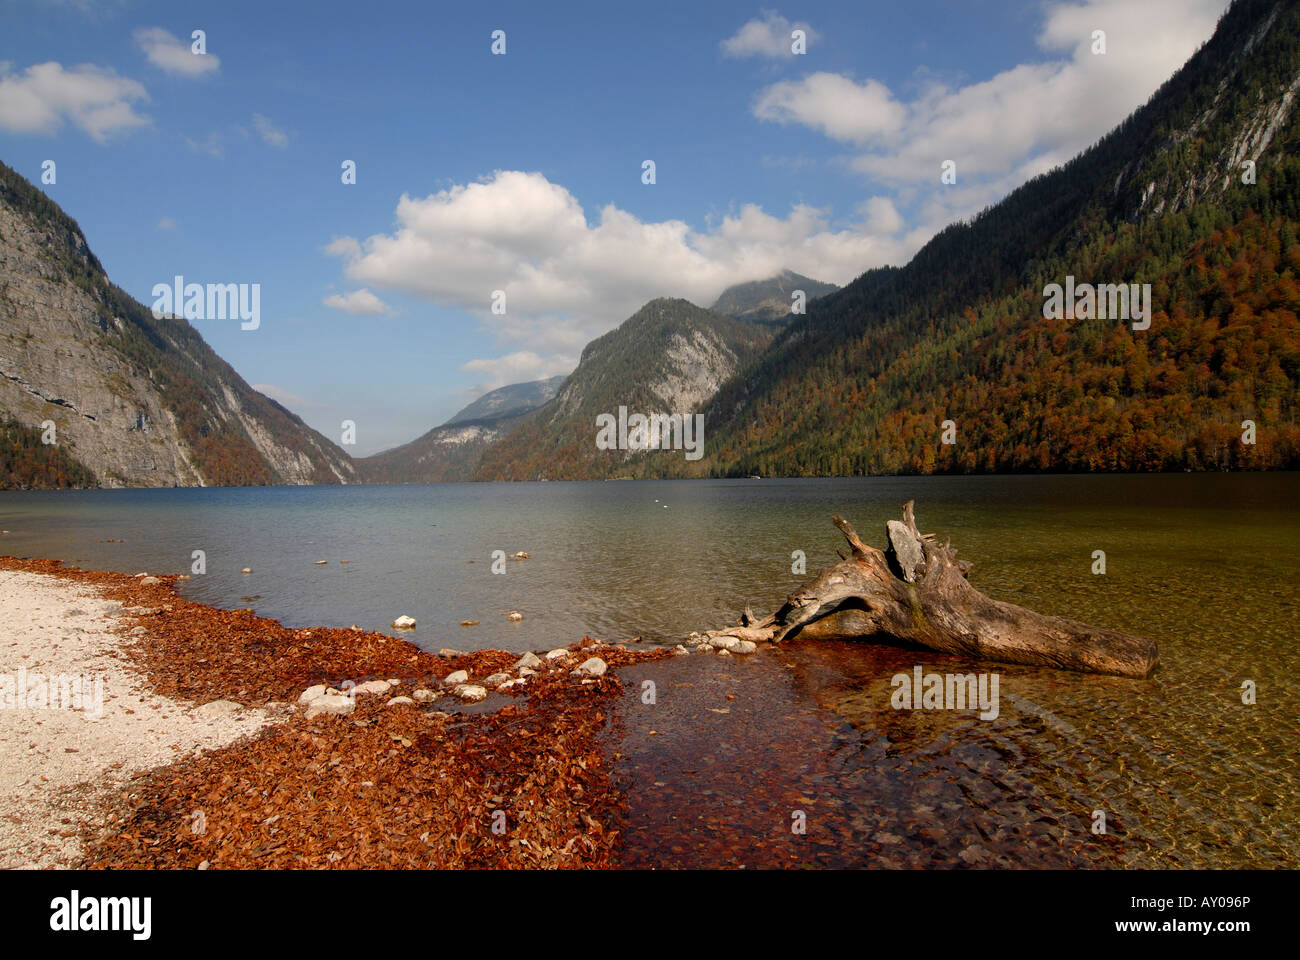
<point x="1206" y="565"/>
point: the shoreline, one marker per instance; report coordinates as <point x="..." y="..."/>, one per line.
<point x="410" y="776"/>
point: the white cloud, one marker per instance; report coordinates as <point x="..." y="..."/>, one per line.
<point x="768" y="36"/>
<point x="1014" y="125"/>
<point x="358" y="302"/>
<point x="174" y="55"/>
<point x="834" y="105"/>
<point x="95" y="99"/>
<point x="212" y="145"/>
<point x="519" y="367"/>
<point x="568" y="280"/>
<point x="269" y="132"/>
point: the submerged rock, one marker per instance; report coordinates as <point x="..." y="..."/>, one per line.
<point x="471" y="692"/>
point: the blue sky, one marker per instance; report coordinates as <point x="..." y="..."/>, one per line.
<point x="523" y="172"/>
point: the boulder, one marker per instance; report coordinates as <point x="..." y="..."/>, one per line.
<point x="332" y="704"/>
<point x="592" y="667"/>
<point x="404" y="622"/>
<point x="471" y="692"/>
<point x="530" y="660"/>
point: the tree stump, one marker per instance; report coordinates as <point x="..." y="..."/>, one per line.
<point x="917" y="593"/>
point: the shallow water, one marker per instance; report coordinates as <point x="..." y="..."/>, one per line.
<point x="1187" y="774"/>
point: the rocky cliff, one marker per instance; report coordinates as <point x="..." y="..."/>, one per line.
<point x="137" y="401"/>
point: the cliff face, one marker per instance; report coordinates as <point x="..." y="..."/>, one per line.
<point x="138" y="401"/>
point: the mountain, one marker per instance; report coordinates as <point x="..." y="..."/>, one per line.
<point x="452" y="451"/>
<point x="864" y="382"/>
<point x="134" y="401"/>
<point x="667" y="358"/>
<point x="769" y="301"/>
<point x="510" y="400"/>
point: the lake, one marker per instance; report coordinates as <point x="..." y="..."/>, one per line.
<point x="1206" y="564"/>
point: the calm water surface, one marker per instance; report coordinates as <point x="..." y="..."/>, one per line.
<point x="1207" y="565"/>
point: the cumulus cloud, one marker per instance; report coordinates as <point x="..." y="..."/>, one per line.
<point x="45" y="96"/>
<point x="173" y="55"/>
<point x="834" y="105"/>
<point x="269" y="132"/>
<point x="357" y="302"/>
<point x="518" y="367"/>
<point x="767" y="36"/>
<point x="566" y="279"/>
<point x="1021" y="122"/>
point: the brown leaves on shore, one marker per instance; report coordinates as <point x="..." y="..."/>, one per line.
<point x="525" y="786"/>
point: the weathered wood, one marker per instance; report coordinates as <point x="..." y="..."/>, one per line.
<point x="918" y="593"/>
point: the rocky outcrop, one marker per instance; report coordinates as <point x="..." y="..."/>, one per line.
<point x="138" y="400"/>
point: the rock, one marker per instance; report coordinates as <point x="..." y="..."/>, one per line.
<point x="496" y="679"/>
<point x="110" y="609"/>
<point x="247" y="570"/>
<point x="399" y="700"/>
<point x="529" y="660"/>
<point x="394" y="683"/>
<point x="905" y="549"/>
<point x="515" y="615"/>
<point x="724" y="653"/>
<point x="680" y="651"/>
<point x="733" y="644"/>
<point x="424" y="695"/>
<point x="517" y="682"/>
<point x="557" y="654"/>
<point x="149" y="581"/>
<point x="704" y="648"/>
<point x="312" y="693"/>
<point x="332" y="704"/>
<point x="456" y="676"/>
<point x="138" y="631"/>
<point x="372" y="686"/>
<point x="592" y="667"/>
<point x="321" y="562"/>
<point x="448" y="652"/>
<point x="471" y="692"/>
<point x="469" y="623"/>
<point x="217" y="709"/>
<point x="519" y="556"/>
<point x="404" y="622"/>
<point x="527" y="672"/>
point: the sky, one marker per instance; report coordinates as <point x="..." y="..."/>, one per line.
<point x="523" y="172"/>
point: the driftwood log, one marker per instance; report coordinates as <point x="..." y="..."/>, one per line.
<point x="917" y="592"/>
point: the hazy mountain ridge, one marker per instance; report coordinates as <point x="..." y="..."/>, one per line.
<point x="669" y="357"/>
<point x="137" y="401"/>
<point x="452" y="451"/>
<point x="770" y="300"/>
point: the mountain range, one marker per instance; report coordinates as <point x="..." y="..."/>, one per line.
<point x="953" y="362"/>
